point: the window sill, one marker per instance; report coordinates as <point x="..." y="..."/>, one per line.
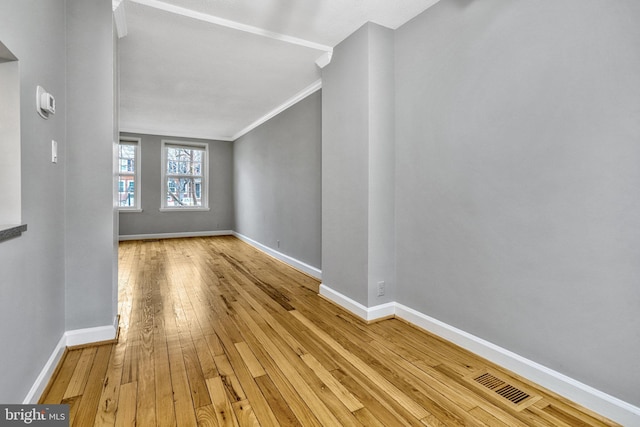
<point x="10" y="231"/>
<point x="129" y="210"/>
<point x="184" y="209"/>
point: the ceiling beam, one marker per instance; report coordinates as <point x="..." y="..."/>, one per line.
<point x="231" y="24"/>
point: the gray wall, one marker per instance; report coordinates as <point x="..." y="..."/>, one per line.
<point x="381" y="209"/>
<point x="59" y="274"/>
<point x="32" y="313"/>
<point x="358" y="170"/>
<point x="152" y="221"/>
<point x="90" y="247"/>
<point x="345" y="168"/>
<point x="518" y="212"/>
<point x="277" y="169"/>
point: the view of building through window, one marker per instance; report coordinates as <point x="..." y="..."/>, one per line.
<point x="127" y="174"/>
<point x="184" y="176"/>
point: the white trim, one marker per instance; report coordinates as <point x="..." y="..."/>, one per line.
<point x="90" y="335"/>
<point x="174" y="134"/>
<point x="45" y="375"/>
<point x="119" y="18"/>
<point x="309" y="90"/>
<point x="184" y="209"/>
<point x="324" y="59"/>
<point x="231" y="24"/>
<point x="155" y="236"/>
<point x="310" y="270"/>
<point x="367" y="313"/>
<point x="602" y="403"/>
<point x="68" y="339"/>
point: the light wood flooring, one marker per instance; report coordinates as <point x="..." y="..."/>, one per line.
<point x="213" y="332"/>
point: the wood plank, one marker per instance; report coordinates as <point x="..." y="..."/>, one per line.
<point x="126" y="415"/>
<point x="183" y="405"/>
<point x="244" y="413"/>
<point x="206" y="416"/>
<point x="334" y="385"/>
<point x="207" y="365"/>
<point x="111" y="390"/>
<point x="59" y="384"/>
<point x="220" y="401"/>
<point x="87" y="412"/>
<point x="229" y="380"/>
<point x="486" y="418"/>
<point x="81" y="373"/>
<point x="250" y="360"/>
<point x="74" y="405"/>
<point x="281" y="410"/>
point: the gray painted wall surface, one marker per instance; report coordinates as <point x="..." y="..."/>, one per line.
<point x="345" y="168"/>
<point x="381" y="209"/>
<point x="277" y="184"/>
<point x="358" y="173"/>
<point x="32" y="266"/>
<point x="89" y="183"/>
<point x="152" y="221"/>
<point x="518" y="212"/>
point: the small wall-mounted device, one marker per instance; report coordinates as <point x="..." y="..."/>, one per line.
<point x="45" y="103"/>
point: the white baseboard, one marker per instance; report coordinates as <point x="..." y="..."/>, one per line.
<point x="583" y="394"/>
<point x="174" y="235"/>
<point x="367" y="313"/>
<point x="43" y="378"/>
<point x="90" y="335"/>
<point x="68" y="339"/>
<point x="310" y="270"/>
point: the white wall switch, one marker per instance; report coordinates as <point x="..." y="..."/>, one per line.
<point x="54" y="151"/>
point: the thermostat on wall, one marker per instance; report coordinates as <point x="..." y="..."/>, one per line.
<point x="45" y="103"/>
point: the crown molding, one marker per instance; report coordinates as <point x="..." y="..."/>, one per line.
<point x="119" y="18"/>
<point x="231" y="24"/>
<point x="314" y="87"/>
<point x="325" y="59"/>
<point x="173" y="134"/>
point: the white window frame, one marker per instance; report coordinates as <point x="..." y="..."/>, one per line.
<point x="205" y="176"/>
<point x="137" y="201"/>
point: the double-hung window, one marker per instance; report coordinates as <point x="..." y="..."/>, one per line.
<point x="184" y="175"/>
<point x="129" y="174"/>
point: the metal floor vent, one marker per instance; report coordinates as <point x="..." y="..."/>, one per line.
<point x="520" y="398"/>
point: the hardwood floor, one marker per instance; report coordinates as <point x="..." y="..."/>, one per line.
<point x="213" y="332"/>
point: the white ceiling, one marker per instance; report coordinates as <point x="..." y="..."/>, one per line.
<point x="215" y="69"/>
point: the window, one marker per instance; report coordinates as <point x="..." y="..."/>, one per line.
<point x="184" y="175"/>
<point x="129" y="174"/>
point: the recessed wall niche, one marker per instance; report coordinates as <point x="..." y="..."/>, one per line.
<point x="10" y="208"/>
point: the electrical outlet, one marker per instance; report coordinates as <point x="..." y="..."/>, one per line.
<point x="380" y="288"/>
